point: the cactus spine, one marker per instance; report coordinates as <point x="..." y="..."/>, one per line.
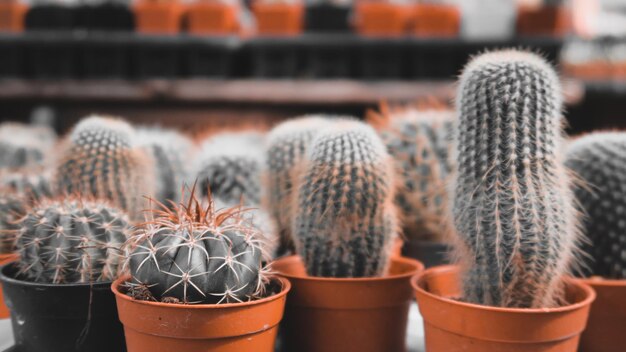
<point x="513" y="207"/>
<point x="599" y="159"/>
<point x="345" y="219"/>
<point x="24" y="145"/>
<point x="102" y="160"/>
<point x="71" y="241"/>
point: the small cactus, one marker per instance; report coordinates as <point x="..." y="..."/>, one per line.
<point x="71" y="240"/>
<point x="513" y="207"/>
<point x="345" y="221"/>
<point x="33" y="184"/>
<point x="11" y="210"/>
<point x="24" y="145"/>
<point x="198" y="254"/>
<point x="102" y="160"/>
<point x="599" y="159"/>
<point x="420" y="143"/>
<point x="170" y="151"/>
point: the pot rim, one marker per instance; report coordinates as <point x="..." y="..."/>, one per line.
<point x="14" y="281"/>
<point x="419" y="267"/>
<point x="419" y="278"/>
<point x="600" y="281"/>
<point x="286" y="287"/>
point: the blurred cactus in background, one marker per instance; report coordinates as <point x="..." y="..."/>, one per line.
<point x="11" y="210"/>
<point x="24" y="145"/>
<point x="32" y="184"/>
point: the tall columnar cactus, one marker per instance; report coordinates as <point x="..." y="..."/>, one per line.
<point x="11" y="210"/>
<point x="198" y="254"/>
<point x="345" y="219"/>
<point x="71" y="241"/>
<point x="420" y="143"/>
<point x="171" y="152"/>
<point x="102" y="160"/>
<point x="599" y="159"/>
<point x="513" y="207"/>
<point x="33" y="184"/>
<point x="24" y="145"/>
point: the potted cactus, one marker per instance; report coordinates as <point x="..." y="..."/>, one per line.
<point x="514" y="214"/>
<point x="419" y="141"/>
<point x="349" y="292"/>
<point x="158" y="16"/>
<point x="197" y="283"/>
<point x="598" y="160"/>
<point x="548" y="17"/>
<point x="382" y="17"/>
<point x="70" y="249"/>
<point x="12" y="13"/>
<point x="436" y="19"/>
<point x="279" y="17"/>
<point x="213" y="17"/>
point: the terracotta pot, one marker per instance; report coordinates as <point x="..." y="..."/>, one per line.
<point x="279" y="18"/>
<point x="542" y="20"/>
<point x="165" y="327"/>
<point x="451" y="325"/>
<point x="158" y="16"/>
<point x="430" y="253"/>
<point x="5" y="259"/>
<point x="607" y="320"/>
<point x="381" y="18"/>
<point x="433" y="20"/>
<point x="212" y="17"/>
<point x="12" y="15"/>
<point x="347" y="315"/>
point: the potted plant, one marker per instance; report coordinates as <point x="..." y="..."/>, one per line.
<point x="58" y="290"/>
<point x="419" y="141"/>
<point x="279" y="17"/>
<point x="598" y="160"/>
<point x="514" y="217"/>
<point x="51" y="15"/>
<point x="548" y="17"/>
<point x="349" y="292"/>
<point x="586" y="60"/>
<point x="12" y="14"/>
<point x="158" y="16"/>
<point x="197" y="283"/>
<point x="213" y="17"/>
<point x="381" y="17"/>
<point x="436" y="19"/>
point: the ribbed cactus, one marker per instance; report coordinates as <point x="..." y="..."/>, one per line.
<point x="171" y="152"/>
<point x="71" y="241"/>
<point x="33" y="185"/>
<point x="198" y="254"/>
<point x="11" y="210"/>
<point x="285" y="148"/>
<point x="345" y="221"/>
<point x="513" y="207"/>
<point x="24" y="145"/>
<point x="599" y="159"/>
<point x="420" y="143"/>
<point x="102" y="160"/>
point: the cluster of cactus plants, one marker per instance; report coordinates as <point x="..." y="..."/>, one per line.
<point x="24" y="145"/>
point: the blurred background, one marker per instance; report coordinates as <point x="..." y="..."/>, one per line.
<point x="197" y="64"/>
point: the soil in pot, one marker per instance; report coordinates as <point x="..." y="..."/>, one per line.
<point x="347" y="314"/>
<point x="452" y="325"/>
<point x="430" y="253"/>
<point x="62" y="318"/>
<point x="166" y="327"/>
<point x="5" y="259"/>
<point x="607" y="320"/>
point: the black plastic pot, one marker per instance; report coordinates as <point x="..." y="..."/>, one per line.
<point x="50" y="17"/>
<point x="327" y="18"/>
<point x="108" y="16"/>
<point x="428" y="252"/>
<point x="62" y="318"/>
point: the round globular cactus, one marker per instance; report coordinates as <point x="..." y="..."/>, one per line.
<point x="11" y="210"/>
<point x="24" y="145"/>
<point x="71" y="240"/>
<point x="198" y="254"/>
<point x="599" y="160"/>
<point x="170" y="151"/>
<point x="420" y="143"/>
<point x="33" y="184"/>
<point x="345" y="219"/>
<point x="512" y="203"/>
<point x="102" y="160"/>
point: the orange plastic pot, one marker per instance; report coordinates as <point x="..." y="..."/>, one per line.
<point x="451" y="325"/>
<point x="12" y="15"/>
<point x="606" y="329"/>
<point x="5" y="259"/>
<point x="158" y="16"/>
<point x="542" y="20"/>
<point x="204" y="17"/>
<point x="432" y="20"/>
<point x="278" y="19"/>
<point x="347" y="315"/>
<point x="165" y="327"/>
<point x="381" y="18"/>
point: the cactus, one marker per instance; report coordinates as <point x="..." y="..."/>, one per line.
<point x="103" y="161"/>
<point x="11" y="210"/>
<point x="71" y="240"/>
<point x="33" y="184"/>
<point x="420" y="143"/>
<point x="198" y="254"/>
<point x="285" y="148"/>
<point x="512" y="204"/>
<point x="170" y="151"/>
<point x="345" y="219"/>
<point x="24" y="145"/>
<point x="599" y="159"/>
